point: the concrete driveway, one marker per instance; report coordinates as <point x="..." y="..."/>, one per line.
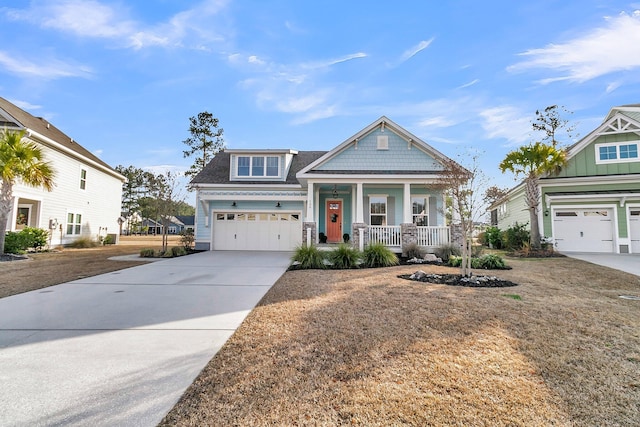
<point x="121" y="348"/>
<point x="629" y="263"/>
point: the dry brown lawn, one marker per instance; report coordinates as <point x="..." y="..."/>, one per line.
<point x="63" y="265"/>
<point x="363" y="347"/>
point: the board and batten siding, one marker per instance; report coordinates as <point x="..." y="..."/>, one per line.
<point x="583" y="163"/>
<point x="99" y="203"/>
<point x="516" y="211"/>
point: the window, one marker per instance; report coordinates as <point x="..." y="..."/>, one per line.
<point x="378" y="210"/>
<point x="74" y="223"/>
<point x="243" y="166"/>
<point x="83" y="179"/>
<point x="420" y="208"/>
<point x="258" y="166"/>
<point x="619" y="152"/>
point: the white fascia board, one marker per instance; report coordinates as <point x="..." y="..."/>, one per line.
<point x="252" y="197"/>
<point x="247" y="187"/>
<point x="614" y="197"/>
<point x="260" y="151"/>
<point x="370" y="179"/>
<point x="589" y="180"/>
<point x="60" y="147"/>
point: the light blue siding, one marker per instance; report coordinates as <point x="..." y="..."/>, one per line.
<point x="366" y="156"/>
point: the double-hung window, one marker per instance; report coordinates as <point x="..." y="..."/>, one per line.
<point x="420" y="210"/>
<point x="74" y="223"/>
<point x="617" y="152"/>
<point x="258" y="166"/>
<point x="83" y="179"/>
<point x="378" y="210"/>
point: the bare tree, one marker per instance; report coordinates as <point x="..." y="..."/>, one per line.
<point x="550" y="122"/>
<point x="464" y="186"/>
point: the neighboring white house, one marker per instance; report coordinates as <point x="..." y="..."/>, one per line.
<point x="86" y="197"/>
<point x="593" y="204"/>
<point x="374" y="186"/>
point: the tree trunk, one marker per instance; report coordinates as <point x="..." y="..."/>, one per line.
<point x="532" y="197"/>
<point x="6" y="204"/>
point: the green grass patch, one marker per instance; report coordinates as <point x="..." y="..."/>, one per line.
<point x="513" y="296"/>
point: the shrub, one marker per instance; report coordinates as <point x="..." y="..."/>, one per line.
<point x="344" y="256"/>
<point x="413" y="250"/>
<point x="83" y="242"/>
<point x="445" y="252"/>
<point x="485" y="262"/>
<point x="308" y="257"/>
<point x="28" y="237"/>
<point x="516" y="237"/>
<point x="378" y="255"/>
<point x="108" y="240"/>
<point x="147" y="253"/>
<point x="13" y="243"/>
<point x="178" y="251"/>
<point x="187" y="238"/>
<point x="493" y="237"/>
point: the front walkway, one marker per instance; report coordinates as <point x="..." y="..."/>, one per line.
<point x="122" y="347"/>
<point x="629" y="263"/>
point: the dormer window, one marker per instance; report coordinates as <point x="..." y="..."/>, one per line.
<point x="258" y="166"/>
<point x="617" y="152"/>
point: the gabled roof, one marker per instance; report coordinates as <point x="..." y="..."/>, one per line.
<point x="217" y="171"/>
<point x="186" y="219"/>
<point x="623" y="119"/>
<point x="383" y="123"/>
<point x="11" y="116"/>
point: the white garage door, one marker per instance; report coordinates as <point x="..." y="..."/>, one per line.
<point x="583" y="230"/>
<point x="256" y="231"/>
<point x="634" y="230"/>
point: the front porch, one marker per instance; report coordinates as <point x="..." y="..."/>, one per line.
<point x="392" y="213"/>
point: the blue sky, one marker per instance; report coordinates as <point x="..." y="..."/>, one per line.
<point x="123" y="77"/>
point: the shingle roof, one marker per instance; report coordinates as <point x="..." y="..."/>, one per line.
<point x="217" y="171"/>
<point x="43" y="127"/>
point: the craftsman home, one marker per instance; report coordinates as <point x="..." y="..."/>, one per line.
<point x="374" y="186"/>
<point x="593" y="204"/>
<point x="85" y="200"/>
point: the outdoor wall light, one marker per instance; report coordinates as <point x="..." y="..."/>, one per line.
<point x="546" y="212"/>
<point x="233" y="204"/>
<point x="278" y="205"/>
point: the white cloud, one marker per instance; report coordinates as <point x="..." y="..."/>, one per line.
<point x="95" y="19"/>
<point x="25" y="105"/>
<point x="410" y="53"/>
<point x="611" y="48"/>
<point x="471" y="83"/>
<point x="437" y="122"/>
<point x="48" y="69"/>
<point x="506" y="122"/>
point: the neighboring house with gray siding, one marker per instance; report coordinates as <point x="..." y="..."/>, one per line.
<point x="374" y="186"/>
<point x="85" y="200"/>
<point x="593" y="204"/>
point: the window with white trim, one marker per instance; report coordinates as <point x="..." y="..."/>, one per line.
<point x="617" y="152"/>
<point x="258" y="166"/>
<point x="378" y="210"/>
<point x="74" y="223"/>
<point x="420" y="210"/>
<point x="83" y="179"/>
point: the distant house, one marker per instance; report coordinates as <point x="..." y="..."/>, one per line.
<point x="185" y="222"/>
<point x="593" y="204"/>
<point x="86" y="197"/>
<point x="374" y="186"/>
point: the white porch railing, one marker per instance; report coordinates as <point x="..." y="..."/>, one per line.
<point x="388" y="235"/>
<point x="433" y="236"/>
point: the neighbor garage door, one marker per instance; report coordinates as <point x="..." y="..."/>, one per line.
<point x="257" y="231"/>
<point x="634" y="229"/>
<point x="583" y="230"/>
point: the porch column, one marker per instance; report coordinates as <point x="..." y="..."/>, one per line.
<point x="310" y="202"/>
<point x="359" y="204"/>
<point x="407" y="211"/>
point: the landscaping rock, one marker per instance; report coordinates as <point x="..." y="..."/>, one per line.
<point x="458" y="280"/>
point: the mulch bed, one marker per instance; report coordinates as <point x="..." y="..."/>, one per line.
<point x="459" y="280"/>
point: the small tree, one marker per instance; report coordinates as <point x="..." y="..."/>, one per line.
<point x="205" y="141"/>
<point x="532" y="162"/>
<point x="467" y="203"/>
<point x="494" y="193"/>
<point x="20" y="161"/>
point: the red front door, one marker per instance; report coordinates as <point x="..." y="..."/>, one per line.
<point x="334" y="221"/>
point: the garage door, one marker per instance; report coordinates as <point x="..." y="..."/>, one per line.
<point x="583" y="230"/>
<point x="256" y="231"/>
<point x="634" y="230"/>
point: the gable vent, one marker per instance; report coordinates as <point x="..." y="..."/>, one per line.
<point x="383" y="142"/>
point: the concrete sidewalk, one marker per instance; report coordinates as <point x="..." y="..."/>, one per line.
<point x="629" y="263"/>
<point x="122" y="347"/>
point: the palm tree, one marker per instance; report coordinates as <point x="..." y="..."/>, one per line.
<point x="20" y="160"/>
<point x="533" y="161"/>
